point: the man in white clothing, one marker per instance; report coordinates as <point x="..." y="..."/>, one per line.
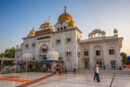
<point x="97" y="73"/>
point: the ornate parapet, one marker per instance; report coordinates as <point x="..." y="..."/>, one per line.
<point x="97" y="33"/>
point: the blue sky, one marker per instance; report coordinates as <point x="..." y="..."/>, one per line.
<point x="17" y="17"/>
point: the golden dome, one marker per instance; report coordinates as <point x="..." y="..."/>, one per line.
<point x="65" y="17"/>
<point x="72" y="23"/>
<point x="32" y="33"/>
<point x="46" y="25"/>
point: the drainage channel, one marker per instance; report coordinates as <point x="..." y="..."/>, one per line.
<point x="112" y="80"/>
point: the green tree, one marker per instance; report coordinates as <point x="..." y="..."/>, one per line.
<point x="9" y="53"/>
<point x="124" y="58"/>
<point x="12" y="52"/>
<point x="2" y="54"/>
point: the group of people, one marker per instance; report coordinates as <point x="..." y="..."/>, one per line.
<point x="59" y="69"/>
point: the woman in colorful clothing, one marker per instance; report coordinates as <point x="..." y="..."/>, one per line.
<point x="60" y="71"/>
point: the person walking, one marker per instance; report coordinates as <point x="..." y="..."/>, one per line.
<point x="60" y="71"/>
<point x="74" y="68"/>
<point x="94" y="73"/>
<point x="97" y="73"/>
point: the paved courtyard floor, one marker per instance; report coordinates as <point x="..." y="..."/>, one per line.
<point x="21" y="76"/>
<point x="68" y="80"/>
<point x="84" y="80"/>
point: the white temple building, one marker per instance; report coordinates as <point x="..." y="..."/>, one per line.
<point x="64" y="42"/>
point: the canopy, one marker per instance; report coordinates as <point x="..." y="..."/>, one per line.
<point x="45" y="62"/>
<point x="128" y="57"/>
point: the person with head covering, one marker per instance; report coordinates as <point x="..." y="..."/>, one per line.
<point x="60" y="70"/>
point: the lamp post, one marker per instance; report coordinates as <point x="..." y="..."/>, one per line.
<point x="26" y="65"/>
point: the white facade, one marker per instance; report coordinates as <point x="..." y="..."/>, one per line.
<point x="66" y="40"/>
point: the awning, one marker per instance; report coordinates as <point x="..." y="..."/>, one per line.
<point x="45" y="62"/>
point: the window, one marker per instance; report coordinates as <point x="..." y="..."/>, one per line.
<point x="33" y="45"/>
<point x="85" y="53"/>
<point x="68" y="39"/>
<point x="26" y="46"/>
<point x="61" y="28"/>
<point x="111" y="51"/>
<point x="64" y="27"/>
<point x="58" y="41"/>
<point x="58" y="29"/>
<point x="98" y="53"/>
<point x="68" y="53"/>
<point x="44" y="49"/>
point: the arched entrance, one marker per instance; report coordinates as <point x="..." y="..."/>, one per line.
<point x="86" y="63"/>
<point x="43" y="52"/>
<point x="98" y="55"/>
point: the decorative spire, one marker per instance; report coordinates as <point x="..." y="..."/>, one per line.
<point x="33" y="28"/>
<point x="49" y="18"/>
<point x="65" y="9"/>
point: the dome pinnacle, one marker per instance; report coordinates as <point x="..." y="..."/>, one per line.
<point x="65" y="9"/>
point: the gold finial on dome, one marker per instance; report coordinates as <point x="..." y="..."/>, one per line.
<point x="66" y="17"/>
<point x="32" y="32"/>
<point x="49" y="18"/>
<point x="65" y="8"/>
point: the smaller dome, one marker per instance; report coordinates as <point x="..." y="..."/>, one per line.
<point x="45" y="25"/>
<point x="96" y="31"/>
<point x="52" y="55"/>
<point x="32" y="33"/>
<point x="103" y="32"/>
<point x="72" y="23"/>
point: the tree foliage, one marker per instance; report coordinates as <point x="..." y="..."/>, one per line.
<point x="9" y="53"/>
<point x="124" y="58"/>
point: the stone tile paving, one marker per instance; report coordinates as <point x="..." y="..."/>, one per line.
<point x="27" y="76"/>
<point x="69" y="80"/>
<point x="84" y="80"/>
<point x="75" y="80"/>
<point x="121" y="81"/>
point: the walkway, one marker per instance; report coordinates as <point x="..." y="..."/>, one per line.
<point x="84" y="80"/>
<point x="81" y="79"/>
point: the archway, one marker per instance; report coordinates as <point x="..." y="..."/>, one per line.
<point x="43" y="52"/>
<point x="98" y="55"/>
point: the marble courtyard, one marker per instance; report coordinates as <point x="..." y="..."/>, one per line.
<point x="80" y="79"/>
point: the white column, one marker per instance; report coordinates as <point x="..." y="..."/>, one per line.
<point x="91" y="57"/>
<point x="118" y="57"/>
<point x="36" y="49"/>
<point x="106" y="57"/>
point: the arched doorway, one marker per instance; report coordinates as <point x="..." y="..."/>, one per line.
<point x="98" y="55"/>
<point x="43" y="52"/>
<point x="86" y="63"/>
